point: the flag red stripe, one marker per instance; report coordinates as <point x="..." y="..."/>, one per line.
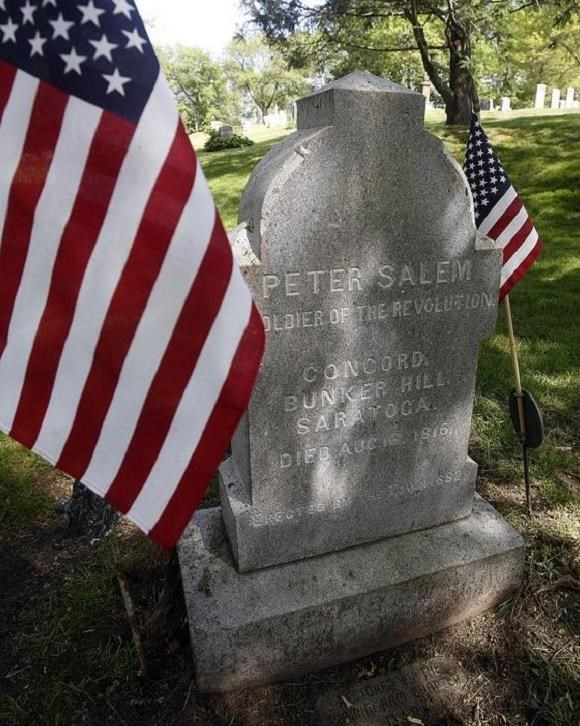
<point x="7" y="76"/>
<point x="27" y="185"/>
<point x="505" y="219"/>
<point x="160" y="218"/>
<point x="179" y="360"/>
<point x="108" y="150"/>
<point x="233" y="401"/>
<point x="520" y="270"/>
<point x="517" y="240"/>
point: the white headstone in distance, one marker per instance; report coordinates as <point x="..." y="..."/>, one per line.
<point x="569" y="97"/>
<point x="505" y="104"/>
<point x="555" y="98"/>
<point x="540" y="95"/>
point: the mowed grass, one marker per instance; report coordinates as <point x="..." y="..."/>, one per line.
<point x="66" y="654"/>
<point x="542" y="157"/>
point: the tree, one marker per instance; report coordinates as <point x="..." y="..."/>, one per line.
<point x="261" y="72"/>
<point x="433" y="28"/>
<point x="523" y="49"/>
<point x="199" y="86"/>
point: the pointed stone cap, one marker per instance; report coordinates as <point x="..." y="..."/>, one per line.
<point x="362" y="96"/>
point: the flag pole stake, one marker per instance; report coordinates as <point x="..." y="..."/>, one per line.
<point x="128" y="602"/>
<point x="520" y="400"/>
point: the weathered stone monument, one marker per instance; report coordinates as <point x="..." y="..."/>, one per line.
<point x="569" y="103"/>
<point x="505" y="104"/>
<point x="555" y="102"/>
<point x="348" y="521"/>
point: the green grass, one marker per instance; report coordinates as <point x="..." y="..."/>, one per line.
<point x="228" y="172"/>
<point x="22" y="498"/>
<point x="542" y="156"/>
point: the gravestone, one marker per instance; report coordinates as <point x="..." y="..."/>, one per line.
<point x="426" y="91"/>
<point x="505" y="104"/>
<point x="430" y="691"/>
<point x="348" y="521"/>
<point x="540" y="99"/>
<point x="555" y="98"/>
<point x="225" y="130"/>
<point x="569" y="97"/>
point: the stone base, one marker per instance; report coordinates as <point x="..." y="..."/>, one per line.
<point x="284" y="621"/>
<point x="265" y="538"/>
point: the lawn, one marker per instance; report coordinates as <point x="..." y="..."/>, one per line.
<point x="66" y="654"/>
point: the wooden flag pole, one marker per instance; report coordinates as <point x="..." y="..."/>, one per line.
<point x="519" y="398"/>
<point x="515" y="366"/>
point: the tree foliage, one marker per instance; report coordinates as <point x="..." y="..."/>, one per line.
<point x="261" y="72"/>
<point x="454" y="42"/>
<point x="199" y="85"/>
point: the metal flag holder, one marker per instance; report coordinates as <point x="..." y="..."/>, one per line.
<point x="525" y="413"/>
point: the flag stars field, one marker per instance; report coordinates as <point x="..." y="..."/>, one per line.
<point x="98" y="46"/>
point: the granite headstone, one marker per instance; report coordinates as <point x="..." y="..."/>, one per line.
<point x="375" y="300"/>
<point x="348" y="522"/>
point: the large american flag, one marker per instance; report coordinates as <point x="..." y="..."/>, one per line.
<point x="129" y="341"/>
<point x="499" y="212"/>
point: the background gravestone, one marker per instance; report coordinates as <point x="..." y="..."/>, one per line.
<point x="375" y="301"/>
<point x="358" y="241"/>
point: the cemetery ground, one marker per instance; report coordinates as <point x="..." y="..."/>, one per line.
<point x="66" y="654"/>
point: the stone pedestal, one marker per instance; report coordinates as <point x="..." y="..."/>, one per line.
<point x="285" y="621"/>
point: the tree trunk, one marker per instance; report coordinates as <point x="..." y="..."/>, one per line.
<point x="89" y="516"/>
<point x="459" y="95"/>
<point x="463" y="100"/>
<point x="460" y="106"/>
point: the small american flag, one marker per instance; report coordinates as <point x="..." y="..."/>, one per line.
<point x="499" y="212"/>
<point x="129" y="342"/>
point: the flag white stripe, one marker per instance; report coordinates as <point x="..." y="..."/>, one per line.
<point x="13" y="131"/>
<point x="196" y="404"/>
<point x="513" y="227"/>
<point x="519" y="256"/>
<point x="147" y="153"/>
<point x="498" y="210"/>
<point x="52" y="213"/>
<point x="178" y="271"/>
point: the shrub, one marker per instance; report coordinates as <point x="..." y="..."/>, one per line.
<point x="218" y="143"/>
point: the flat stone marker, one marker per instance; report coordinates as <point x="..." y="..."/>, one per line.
<point x="427" y="692"/>
<point x="359" y="246"/>
<point x="348" y="522"/>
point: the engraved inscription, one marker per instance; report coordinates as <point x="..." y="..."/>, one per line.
<point x="343" y="279"/>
